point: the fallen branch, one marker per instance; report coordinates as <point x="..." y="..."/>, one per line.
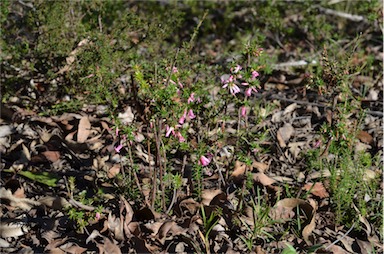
<point x="351" y="17"/>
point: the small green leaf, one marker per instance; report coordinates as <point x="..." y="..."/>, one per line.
<point x="289" y="249"/>
<point x="41" y="177"/>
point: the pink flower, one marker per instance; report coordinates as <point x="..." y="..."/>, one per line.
<point x="118" y="148"/>
<point x="243" y="111"/>
<point x="181" y="85"/>
<point x="169" y="131"/>
<point x="244" y="84"/>
<point x="204" y="161"/>
<point x="190" y="114"/>
<point x="97" y="216"/>
<point x="117" y="131"/>
<point x="180" y="137"/>
<point x="191" y="98"/>
<point x="174" y="69"/>
<point x="228" y="80"/>
<point x="233" y="88"/>
<point x="255" y="74"/>
<point x="248" y="92"/>
<point x="236" y="69"/>
<point x="183" y="117"/>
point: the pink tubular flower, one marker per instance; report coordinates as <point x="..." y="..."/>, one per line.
<point x="230" y="79"/>
<point x="191" y="98"/>
<point x="204" y="161"/>
<point x="180" y="137"/>
<point x="248" y="92"/>
<point x="117" y="131"/>
<point x="236" y="69"/>
<point x="169" y="131"/>
<point x="118" y="148"/>
<point x="255" y="74"/>
<point x="243" y="111"/>
<point x="191" y="115"/>
<point x="183" y="117"/>
<point x="97" y="216"/>
<point x="317" y="144"/>
<point x="174" y="69"/>
<point x="233" y="88"/>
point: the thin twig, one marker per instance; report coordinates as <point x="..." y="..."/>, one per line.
<point x="135" y="173"/>
<point x="154" y="189"/>
<point x="173" y="65"/>
<point x="338" y="240"/>
<point x="275" y="97"/>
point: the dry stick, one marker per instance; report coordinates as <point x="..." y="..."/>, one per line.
<point x="275" y="97"/>
<point x="135" y="173"/>
<point x="173" y="65"/>
<point x="351" y="17"/>
<point x="220" y="173"/>
<point x="175" y="191"/>
<point x="154" y="189"/>
<point x="190" y="46"/>
<point x="159" y="164"/>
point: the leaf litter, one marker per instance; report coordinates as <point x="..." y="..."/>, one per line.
<point x="148" y="231"/>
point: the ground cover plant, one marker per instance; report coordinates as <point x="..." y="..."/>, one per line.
<point x="191" y="126"/>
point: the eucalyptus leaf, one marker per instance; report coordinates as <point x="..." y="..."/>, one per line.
<point x="41" y="177"/>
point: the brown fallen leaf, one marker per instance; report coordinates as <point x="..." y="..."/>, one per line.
<point x="239" y="169"/>
<point x="108" y="247"/>
<point x="365" y="137"/>
<point x="286" y="208"/>
<point x="164" y="229"/>
<point x="290" y="108"/>
<point x="260" y="166"/>
<point x="316" y="189"/>
<point x="263" y="179"/>
<point x="113" y="171"/>
<point x="208" y="195"/>
<point x="83" y="130"/>
<point x="284" y="134"/>
<point x="52" y="156"/>
<point x="12" y="229"/>
<point x="238" y="173"/>
<point x="72" y="248"/>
